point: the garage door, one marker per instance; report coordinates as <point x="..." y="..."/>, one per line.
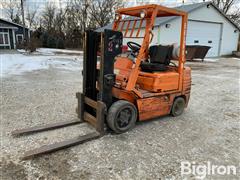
<point x="202" y="33"/>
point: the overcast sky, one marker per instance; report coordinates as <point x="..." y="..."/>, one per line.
<point x="129" y="2"/>
<point x="40" y="4"/>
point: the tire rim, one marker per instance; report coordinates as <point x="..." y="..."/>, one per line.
<point x="124" y="118"/>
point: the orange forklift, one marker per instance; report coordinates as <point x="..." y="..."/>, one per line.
<point x="119" y="88"/>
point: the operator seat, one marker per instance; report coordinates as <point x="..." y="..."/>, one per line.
<point x="160" y="57"/>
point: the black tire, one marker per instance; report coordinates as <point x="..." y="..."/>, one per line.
<point x="122" y="116"/>
<point x="178" y="106"/>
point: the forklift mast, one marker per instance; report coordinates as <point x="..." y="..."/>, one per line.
<point x="98" y="82"/>
<point x="110" y="43"/>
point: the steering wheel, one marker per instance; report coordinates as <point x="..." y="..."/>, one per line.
<point x="135" y="47"/>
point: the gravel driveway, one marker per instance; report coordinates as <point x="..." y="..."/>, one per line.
<point x="207" y="131"/>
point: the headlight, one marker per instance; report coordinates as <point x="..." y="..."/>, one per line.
<point x="117" y="17"/>
<point x="142" y="14"/>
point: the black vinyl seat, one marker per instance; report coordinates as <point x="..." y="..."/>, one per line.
<point x="160" y="57"/>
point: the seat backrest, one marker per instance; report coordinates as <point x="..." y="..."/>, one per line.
<point x="160" y="54"/>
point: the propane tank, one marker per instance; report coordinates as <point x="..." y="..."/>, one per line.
<point x="176" y="51"/>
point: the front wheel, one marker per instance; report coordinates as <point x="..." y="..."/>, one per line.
<point x="178" y="106"/>
<point x="122" y="116"/>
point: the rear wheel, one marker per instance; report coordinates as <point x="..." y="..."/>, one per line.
<point x="178" y="106"/>
<point x="122" y="116"/>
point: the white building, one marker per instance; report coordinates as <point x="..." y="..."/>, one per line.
<point x="207" y="25"/>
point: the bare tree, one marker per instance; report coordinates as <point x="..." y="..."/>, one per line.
<point x="102" y="12"/>
<point x="235" y="16"/>
<point x="69" y="23"/>
<point x="59" y="20"/>
<point x="75" y="22"/>
<point x="225" y="5"/>
<point x="12" y="9"/>
<point x="31" y="16"/>
<point x="78" y="11"/>
<point x="48" y="16"/>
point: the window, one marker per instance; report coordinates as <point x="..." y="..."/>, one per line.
<point x="19" y="38"/>
<point x="4" y="39"/>
<point x="1" y="39"/>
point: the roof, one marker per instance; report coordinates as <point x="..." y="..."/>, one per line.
<point x="187" y="8"/>
<point x="149" y="9"/>
<point x="191" y="7"/>
<point x="4" y="22"/>
<point x="4" y="25"/>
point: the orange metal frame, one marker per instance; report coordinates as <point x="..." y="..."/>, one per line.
<point x="151" y="12"/>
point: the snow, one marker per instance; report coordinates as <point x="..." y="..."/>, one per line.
<point x="58" y="50"/>
<point x="236" y="58"/>
<point x="16" y="64"/>
<point x="211" y="59"/>
<point x="52" y="51"/>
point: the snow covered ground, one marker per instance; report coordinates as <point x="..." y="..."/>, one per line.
<point x="45" y="58"/>
<point x="210" y="59"/>
<point x="16" y="64"/>
<point x="52" y="51"/>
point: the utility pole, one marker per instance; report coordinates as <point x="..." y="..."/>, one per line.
<point x="23" y="21"/>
